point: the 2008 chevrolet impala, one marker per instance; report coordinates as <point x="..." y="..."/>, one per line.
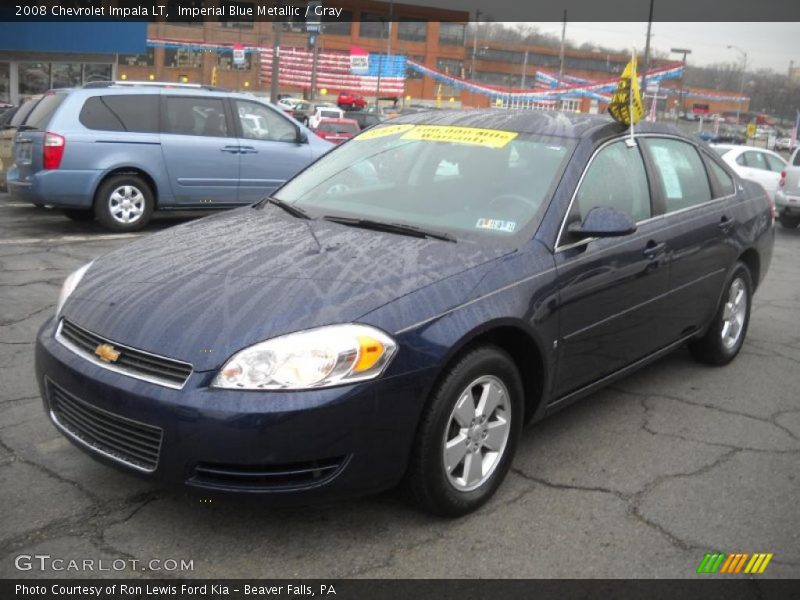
<point x="398" y="310"/>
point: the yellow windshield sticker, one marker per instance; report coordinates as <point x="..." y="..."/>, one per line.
<point x="489" y="138"/>
<point x="385" y="131"/>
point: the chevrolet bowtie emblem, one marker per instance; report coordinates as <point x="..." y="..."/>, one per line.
<point x="106" y="353"/>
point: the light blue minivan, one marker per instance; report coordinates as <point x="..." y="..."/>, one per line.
<point x="117" y="151"/>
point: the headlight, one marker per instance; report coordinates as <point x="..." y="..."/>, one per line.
<point x="69" y="286"/>
<point x="314" y="358"/>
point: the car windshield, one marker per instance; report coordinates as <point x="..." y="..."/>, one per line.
<point x="470" y="183"/>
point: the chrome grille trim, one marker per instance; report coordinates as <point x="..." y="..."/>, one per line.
<point x="143" y="356"/>
<point x="132" y="443"/>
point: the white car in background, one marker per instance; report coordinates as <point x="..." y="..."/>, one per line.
<point x="787" y="198"/>
<point x="289" y="103"/>
<point x="324" y="112"/>
<point x="757" y="164"/>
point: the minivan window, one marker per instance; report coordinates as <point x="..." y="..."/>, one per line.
<point x="134" y="112"/>
<point x="603" y="186"/>
<point x="261" y="123"/>
<point x="196" y="116"/>
<point x="682" y="176"/>
<point x="23" y="112"/>
<point x="40" y="116"/>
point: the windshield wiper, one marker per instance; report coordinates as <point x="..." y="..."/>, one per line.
<point x="289" y="208"/>
<point x="400" y="228"/>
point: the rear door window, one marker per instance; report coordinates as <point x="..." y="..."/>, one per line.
<point x="41" y="115"/>
<point x="775" y="164"/>
<point x="196" y="116"/>
<point x="681" y="174"/>
<point x="724" y="180"/>
<point x="135" y="112"/>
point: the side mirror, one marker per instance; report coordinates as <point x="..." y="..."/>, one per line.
<point x="604" y="221"/>
<point x="302" y="136"/>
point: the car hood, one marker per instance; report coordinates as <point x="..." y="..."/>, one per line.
<point x="200" y="292"/>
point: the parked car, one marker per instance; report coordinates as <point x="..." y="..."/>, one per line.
<point x="7" y="132"/>
<point x="324" y="112"/>
<point x="121" y="151"/>
<point x="350" y="101"/>
<point x="304" y="110"/>
<point x="289" y="102"/>
<point x="367" y="326"/>
<point x="787" y="196"/>
<point x="363" y="118"/>
<point x="758" y="164"/>
<point x="337" y="131"/>
<point x="786" y="144"/>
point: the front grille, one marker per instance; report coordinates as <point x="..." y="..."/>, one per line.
<point x="125" y="440"/>
<point x="265" y="477"/>
<point x="135" y="363"/>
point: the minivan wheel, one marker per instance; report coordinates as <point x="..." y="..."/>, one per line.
<point x="77" y="214"/>
<point x="469" y="434"/>
<point x="727" y="331"/>
<point x="124" y="203"/>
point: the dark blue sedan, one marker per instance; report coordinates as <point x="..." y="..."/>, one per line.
<point x="400" y="309"/>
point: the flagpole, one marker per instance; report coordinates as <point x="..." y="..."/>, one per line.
<point x="630" y="108"/>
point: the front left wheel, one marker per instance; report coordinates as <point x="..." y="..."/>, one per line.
<point x="468" y="436"/>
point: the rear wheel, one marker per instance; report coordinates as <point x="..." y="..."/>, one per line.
<point x="124" y="203"/>
<point x="727" y="331"/>
<point x="788" y="221"/>
<point x="468" y="436"/>
<point x="76" y="214"/>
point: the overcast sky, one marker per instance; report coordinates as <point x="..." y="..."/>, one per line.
<point x="768" y="45"/>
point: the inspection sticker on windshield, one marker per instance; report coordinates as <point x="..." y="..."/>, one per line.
<point x="490" y="138"/>
<point x="496" y="225"/>
<point x="387" y="130"/>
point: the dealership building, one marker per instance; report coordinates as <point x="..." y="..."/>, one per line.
<point x="38" y="56"/>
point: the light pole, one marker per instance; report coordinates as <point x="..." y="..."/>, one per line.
<point x="524" y="68"/>
<point x="388" y="52"/>
<point x="474" y="44"/>
<point x="741" y="82"/>
<point x="684" y="51"/>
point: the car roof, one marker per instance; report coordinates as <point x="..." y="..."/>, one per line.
<point x="543" y="122"/>
<point x="340" y="121"/>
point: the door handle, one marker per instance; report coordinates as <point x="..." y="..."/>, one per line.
<point x="653" y="249"/>
<point x="230" y="149"/>
<point x="248" y="150"/>
<point x="726" y="224"/>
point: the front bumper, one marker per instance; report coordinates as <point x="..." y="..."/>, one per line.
<point x="328" y="443"/>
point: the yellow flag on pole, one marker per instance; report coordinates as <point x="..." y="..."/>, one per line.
<point x="626" y="103"/>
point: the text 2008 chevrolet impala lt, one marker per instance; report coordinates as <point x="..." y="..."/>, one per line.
<point x="398" y="310"/>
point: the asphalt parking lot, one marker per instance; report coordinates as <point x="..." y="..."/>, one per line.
<point x="638" y="480"/>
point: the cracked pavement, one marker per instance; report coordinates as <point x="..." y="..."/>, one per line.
<point x="637" y="480"/>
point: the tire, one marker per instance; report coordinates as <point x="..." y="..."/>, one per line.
<point x="788" y="221"/>
<point x="128" y="216"/>
<point x="717" y="347"/>
<point x="75" y="214"/>
<point x="454" y="491"/>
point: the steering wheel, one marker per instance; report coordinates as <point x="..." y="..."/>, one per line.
<point x="498" y="201"/>
<point x="337" y="188"/>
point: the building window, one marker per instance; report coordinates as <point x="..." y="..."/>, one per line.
<point x="183" y="59"/>
<point x="452" y="34"/>
<point x="372" y="25"/>
<point x="411" y="73"/>
<point x="341" y="25"/>
<point x="412" y="31"/>
<point x="34" y="78"/>
<point x="95" y="72"/>
<point x="5" y="93"/>
<point x="451" y="66"/>
<point x="234" y="14"/>
<point x="137" y="60"/>
<point x="225" y="61"/>
<point x="172" y="9"/>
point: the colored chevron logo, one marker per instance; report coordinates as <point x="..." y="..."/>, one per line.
<point x="734" y="563"/>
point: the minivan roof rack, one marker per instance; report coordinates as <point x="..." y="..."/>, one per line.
<point x="168" y="84"/>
